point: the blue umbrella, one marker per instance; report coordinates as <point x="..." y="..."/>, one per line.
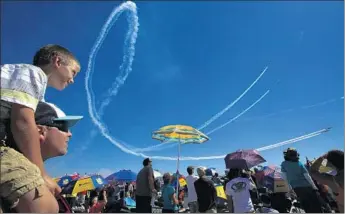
<point x="123" y="175"/>
<point x="84" y="184"/>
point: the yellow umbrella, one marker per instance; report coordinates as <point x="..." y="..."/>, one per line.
<point x="84" y="184"/>
<point x="179" y="133"/>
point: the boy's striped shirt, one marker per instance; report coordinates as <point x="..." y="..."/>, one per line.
<point x="22" y="84"/>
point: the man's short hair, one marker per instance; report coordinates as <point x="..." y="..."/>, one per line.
<point x="190" y="170"/>
<point x="45" y="55"/>
<point x="146" y="161"/>
<point x="201" y="171"/>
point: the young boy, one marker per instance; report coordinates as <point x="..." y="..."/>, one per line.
<point x="22" y="87"/>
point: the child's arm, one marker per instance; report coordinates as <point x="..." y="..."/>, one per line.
<point x="25" y="134"/>
<point x="24" y="86"/>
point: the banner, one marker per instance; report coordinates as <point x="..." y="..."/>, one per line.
<point x="220" y="192"/>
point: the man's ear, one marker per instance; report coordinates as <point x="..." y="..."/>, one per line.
<point x="42" y="131"/>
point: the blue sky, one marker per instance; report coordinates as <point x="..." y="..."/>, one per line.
<point x="191" y="60"/>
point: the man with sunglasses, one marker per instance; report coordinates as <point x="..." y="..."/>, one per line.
<point x="53" y="128"/>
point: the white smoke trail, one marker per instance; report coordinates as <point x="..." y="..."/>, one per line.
<point x="133" y="30"/>
<point x="320" y="104"/>
<point x="207" y="123"/>
<point x="287" y="142"/>
<point x="131" y="7"/>
<point x="129" y="49"/>
<point x="294" y="109"/>
<point x="294" y="140"/>
<point x="240" y="114"/>
<point x="157" y="147"/>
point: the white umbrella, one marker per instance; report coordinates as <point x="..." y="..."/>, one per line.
<point x="157" y="174"/>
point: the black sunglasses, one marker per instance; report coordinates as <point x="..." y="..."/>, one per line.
<point x="61" y="125"/>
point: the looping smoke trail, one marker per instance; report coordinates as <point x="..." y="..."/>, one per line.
<point x="240" y="114"/>
<point x="131" y="7"/>
<point x="207" y="123"/>
<point x="133" y="30"/>
<point x="128" y="48"/>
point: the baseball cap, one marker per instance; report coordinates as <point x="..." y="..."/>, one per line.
<point x="49" y="114"/>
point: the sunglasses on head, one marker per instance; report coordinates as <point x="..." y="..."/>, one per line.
<point x="61" y="125"/>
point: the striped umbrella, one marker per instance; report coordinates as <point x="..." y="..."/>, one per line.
<point x="179" y="133"/>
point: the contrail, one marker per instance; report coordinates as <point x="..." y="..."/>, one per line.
<point x="132" y="32"/>
<point x="294" y="109"/>
<point x="157" y="147"/>
<point x="285" y="143"/>
<point x="207" y="123"/>
<point x="313" y="134"/>
<point x="294" y="140"/>
<point x="129" y="49"/>
<point x="321" y="103"/>
<point x="240" y="114"/>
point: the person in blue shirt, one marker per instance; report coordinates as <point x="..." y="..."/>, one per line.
<point x="299" y="179"/>
<point x="170" y="201"/>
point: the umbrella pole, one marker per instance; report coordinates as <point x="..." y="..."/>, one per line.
<point x="178" y="166"/>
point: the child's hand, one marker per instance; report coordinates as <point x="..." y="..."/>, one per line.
<point x="52" y="185"/>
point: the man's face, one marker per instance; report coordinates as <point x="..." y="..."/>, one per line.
<point x="150" y="163"/>
<point x="55" y="142"/>
<point x="63" y="73"/>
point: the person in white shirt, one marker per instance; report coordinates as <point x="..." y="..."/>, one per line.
<point x="192" y="198"/>
<point x="237" y="191"/>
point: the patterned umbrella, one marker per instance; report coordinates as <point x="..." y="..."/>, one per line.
<point x="243" y="159"/>
<point x="84" y="184"/>
<point x="272" y="171"/>
<point x="179" y="133"/>
<point x="65" y="180"/>
<point x="273" y="179"/>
